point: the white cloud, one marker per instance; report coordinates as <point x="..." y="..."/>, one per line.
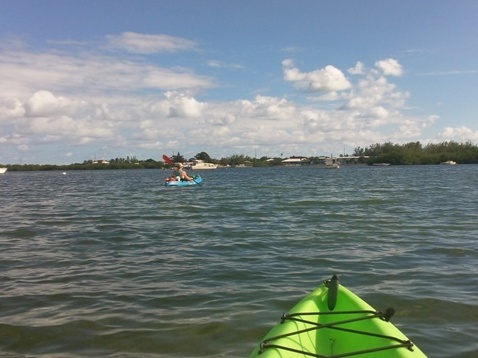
<point x="326" y="79"/>
<point x="461" y="133"/>
<point x="183" y="106"/>
<point x="374" y="90"/>
<point x="90" y="99"/>
<point x="89" y="74"/>
<point x="63" y="128"/>
<point x="358" y="69"/>
<point x="390" y="67"/>
<point x="150" y="43"/>
<point x="449" y="73"/>
<point x="221" y="64"/>
<point x="44" y="104"/>
<point x="11" y="108"/>
<point x="166" y="79"/>
<point x="265" y="107"/>
<point x="176" y="105"/>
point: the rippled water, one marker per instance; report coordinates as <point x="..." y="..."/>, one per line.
<point x="112" y="264"/>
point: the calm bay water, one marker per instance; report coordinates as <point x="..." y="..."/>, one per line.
<point x="112" y="264"/>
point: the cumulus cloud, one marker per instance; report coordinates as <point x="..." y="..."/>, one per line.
<point x="265" y="107"/>
<point x="177" y="105"/>
<point x="375" y="92"/>
<point x="181" y="105"/>
<point x="326" y="79"/>
<point x="64" y="128"/>
<point x="390" y="67"/>
<point x="44" y="104"/>
<point x="461" y="133"/>
<point x="11" y="108"/>
<point x="97" y="98"/>
<point x="358" y="69"/>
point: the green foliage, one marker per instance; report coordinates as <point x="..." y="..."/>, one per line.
<point x="204" y="156"/>
<point x="414" y="153"/>
<point x="395" y="154"/>
<point x="236" y="159"/>
<point x="118" y="163"/>
<point x="178" y="158"/>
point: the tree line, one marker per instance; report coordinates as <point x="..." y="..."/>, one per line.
<point x="413" y="153"/>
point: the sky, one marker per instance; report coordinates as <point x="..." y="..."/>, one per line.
<point x="89" y="79"/>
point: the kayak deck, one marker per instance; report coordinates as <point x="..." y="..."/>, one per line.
<point x="334" y="322"/>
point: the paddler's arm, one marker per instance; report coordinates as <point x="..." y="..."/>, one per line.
<point x="186" y="176"/>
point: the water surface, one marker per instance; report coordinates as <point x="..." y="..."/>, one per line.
<point x="112" y="264"/>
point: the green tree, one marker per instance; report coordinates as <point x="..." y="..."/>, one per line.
<point x="204" y="156"/>
<point x="178" y="158"/>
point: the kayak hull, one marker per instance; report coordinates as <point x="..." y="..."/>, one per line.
<point x="197" y="180"/>
<point x="334" y="322"/>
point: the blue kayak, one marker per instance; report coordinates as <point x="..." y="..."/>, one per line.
<point x="196" y="181"/>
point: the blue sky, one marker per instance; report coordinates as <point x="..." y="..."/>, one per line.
<point x="86" y="79"/>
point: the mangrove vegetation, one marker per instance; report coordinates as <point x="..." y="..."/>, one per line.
<point x="413" y="153"/>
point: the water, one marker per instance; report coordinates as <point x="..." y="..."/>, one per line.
<point x="112" y="264"/>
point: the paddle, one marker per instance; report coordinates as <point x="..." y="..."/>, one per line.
<point x="168" y="159"/>
<point x="194" y="179"/>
